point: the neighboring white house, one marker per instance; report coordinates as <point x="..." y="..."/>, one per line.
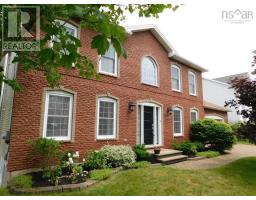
<point x="217" y="92"/>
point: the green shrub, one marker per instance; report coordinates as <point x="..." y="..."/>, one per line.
<point x="141" y="152"/>
<point x="48" y="150"/>
<point x="208" y="154"/>
<point x="95" y="160"/>
<point x="140" y="164"/>
<point x="118" y="155"/>
<point x="247" y="132"/>
<point x="213" y="134"/>
<point x="100" y="174"/>
<point x="189" y="148"/>
<point x="23" y="181"/>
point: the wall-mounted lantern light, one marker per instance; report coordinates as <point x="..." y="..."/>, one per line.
<point x="169" y="110"/>
<point x="131" y="106"/>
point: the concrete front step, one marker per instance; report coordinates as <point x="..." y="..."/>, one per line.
<point x="167" y="156"/>
<point x="172" y="159"/>
<point x="165" y="153"/>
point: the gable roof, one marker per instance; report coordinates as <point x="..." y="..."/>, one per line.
<point x="226" y="79"/>
<point x="172" y="53"/>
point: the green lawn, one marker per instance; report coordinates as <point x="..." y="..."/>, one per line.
<point x="237" y="178"/>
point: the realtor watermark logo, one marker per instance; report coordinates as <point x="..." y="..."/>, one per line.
<point x="21" y="28"/>
<point x="237" y="16"/>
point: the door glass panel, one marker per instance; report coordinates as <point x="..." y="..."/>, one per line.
<point x="148" y="125"/>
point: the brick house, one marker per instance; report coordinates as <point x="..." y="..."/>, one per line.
<point x="149" y="98"/>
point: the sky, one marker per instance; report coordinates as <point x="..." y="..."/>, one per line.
<point x="199" y="33"/>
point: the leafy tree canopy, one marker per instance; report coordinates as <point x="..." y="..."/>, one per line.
<point x="245" y="96"/>
<point x="103" y="19"/>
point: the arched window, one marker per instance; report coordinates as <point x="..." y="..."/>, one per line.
<point x="177" y="121"/>
<point x="149" y="71"/>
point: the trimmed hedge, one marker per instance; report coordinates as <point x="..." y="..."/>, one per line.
<point x="213" y="134"/>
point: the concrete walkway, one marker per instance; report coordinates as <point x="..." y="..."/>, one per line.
<point x="237" y="152"/>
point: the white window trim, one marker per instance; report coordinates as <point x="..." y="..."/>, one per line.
<point x="197" y="114"/>
<point x="70" y="119"/>
<point x="68" y="25"/>
<point x="180" y="85"/>
<point x="115" y="65"/>
<point x="156" y="70"/>
<point x="195" y="82"/>
<point x="181" y="118"/>
<point x="103" y="137"/>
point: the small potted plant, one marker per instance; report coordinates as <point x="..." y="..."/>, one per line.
<point x="157" y="150"/>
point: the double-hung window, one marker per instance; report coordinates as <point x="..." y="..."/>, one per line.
<point x="177" y="121"/>
<point x="107" y="118"/>
<point x="108" y="62"/>
<point x="58" y="115"/>
<point x="149" y="71"/>
<point x="71" y="30"/>
<point x="176" y="78"/>
<point x="192" y="83"/>
<point x="193" y="115"/>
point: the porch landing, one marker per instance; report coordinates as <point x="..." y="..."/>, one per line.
<point x="168" y="156"/>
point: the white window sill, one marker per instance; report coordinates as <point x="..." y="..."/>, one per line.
<point x="149" y="84"/>
<point x="108" y="74"/>
<point x="177" y="135"/>
<point x="193" y="94"/>
<point x="61" y="139"/>
<point x="106" y="138"/>
<point x="174" y="90"/>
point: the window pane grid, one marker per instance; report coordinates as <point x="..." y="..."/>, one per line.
<point x="149" y="71"/>
<point x="192" y="83"/>
<point x="106" y="126"/>
<point x="108" y="61"/>
<point x="175" y="78"/>
<point x="58" y="116"/>
<point x="177" y="121"/>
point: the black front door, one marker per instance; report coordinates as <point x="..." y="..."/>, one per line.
<point x="148" y="125"/>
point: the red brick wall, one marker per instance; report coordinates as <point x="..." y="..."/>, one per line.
<point x="222" y="114"/>
<point x="127" y="87"/>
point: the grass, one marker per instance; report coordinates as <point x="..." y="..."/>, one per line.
<point x="237" y="178"/>
<point x="208" y="154"/>
<point x="100" y="174"/>
<point x="23" y="181"/>
<point x="245" y="141"/>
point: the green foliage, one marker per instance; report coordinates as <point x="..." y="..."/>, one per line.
<point x="47" y="149"/>
<point x="189" y="148"/>
<point x="23" y="181"/>
<point x="247" y="132"/>
<point x="213" y="134"/>
<point x="140" y="164"/>
<point x="95" y="160"/>
<point x="208" y="154"/>
<point x="52" y="174"/>
<point x="118" y="155"/>
<point x="104" y="19"/>
<point x="235" y="126"/>
<point x="100" y="174"/>
<point x="141" y="152"/>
